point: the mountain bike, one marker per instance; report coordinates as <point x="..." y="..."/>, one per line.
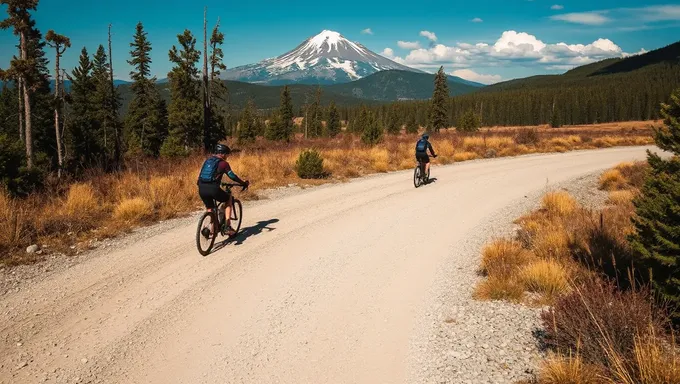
<point x="213" y="222"/>
<point x="419" y="176"/>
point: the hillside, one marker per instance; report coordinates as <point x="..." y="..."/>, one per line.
<point x="399" y="85"/>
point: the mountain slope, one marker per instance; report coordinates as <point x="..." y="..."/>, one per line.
<point x="665" y="61"/>
<point x="327" y="58"/>
<point x="399" y="85"/>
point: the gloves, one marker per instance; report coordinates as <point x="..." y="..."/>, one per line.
<point x="245" y="185"/>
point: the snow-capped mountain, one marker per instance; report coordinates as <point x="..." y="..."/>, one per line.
<point x="327" y="58"/>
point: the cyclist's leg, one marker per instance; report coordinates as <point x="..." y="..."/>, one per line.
<point x="225" y="197"/>
<point x="426" y="159"/>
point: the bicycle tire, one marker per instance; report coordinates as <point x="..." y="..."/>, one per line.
<point x="416" y="177"/>
<point x="199" y="235"/>
<point x="237" y="214"/>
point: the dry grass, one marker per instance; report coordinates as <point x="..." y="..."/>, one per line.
<point x="612" y="180"/>
<point x="559" y="203"/>
<point x="504" y="257"/>
<point x="656" y="361"/>
<point x="133" y="210"/>
<point x="499" y="288"/>
<point x="557" y="369"/>
<point x="171" y="190"/>
<point x="622" y="197"/>
<point x="545" y="276"/>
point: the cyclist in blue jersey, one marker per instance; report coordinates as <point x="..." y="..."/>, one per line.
<point x="422" y="146"/>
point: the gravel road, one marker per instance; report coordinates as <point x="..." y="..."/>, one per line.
<point x="363" y="282"/>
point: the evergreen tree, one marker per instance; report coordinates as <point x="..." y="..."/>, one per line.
<point x="411" y="124"/>
<point x="362" y="121"/>
<point x="315" y="126"/>
<point x="469" y="122"/>
<point x="247" y="130"/>
<point x="185" y="110"/>
<point x="106" y="102"/>
<point x="219" y="94"/>
<point x="146" y="121"/>
<point x="392" y="122"/>
<point x="83" y="130"/>
<point x="333" y="122"/>
<point x="282" y="126"/>
<point x="373" y="131"/>
<point x="438" y="104"/>
<point x="657" y="220"/>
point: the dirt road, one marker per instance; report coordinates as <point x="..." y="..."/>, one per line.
<point x="325" y="286"/>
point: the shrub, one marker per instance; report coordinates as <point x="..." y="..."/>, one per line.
<point x="621" y="197"/>
<point x="133" y="210"/>
<point x="373" y="131"/>
<point x="527" y="136"/>
<point x="309" y="165"/>
<point x="596" y="319"/>
<point x="14" y="225"/>
<point x="612" y="180"/>
<point x="78" y="212"/>
<point x="469" y="122"/>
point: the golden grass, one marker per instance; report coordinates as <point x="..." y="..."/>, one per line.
<point x="559" y="203"/>
<point x="620" y="197"/>
<point x="657" y="362"/>
<point x="465" y="156"/>
<point x="612" y="180"/>
<point x="551" y="242"/>
<point x="556" y="369"/>
<point x="499" y="288"/>
<point x="545" y="276"/>
<point x="133" y="210"/>
<point x="79" y="200"/>
<point x="504" y="257"/>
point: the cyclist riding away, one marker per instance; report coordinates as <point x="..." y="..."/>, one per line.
<point x="210" y="179"/>
<point x="422" y="147"/>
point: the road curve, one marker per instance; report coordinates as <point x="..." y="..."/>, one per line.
<point x="326" y="285"/>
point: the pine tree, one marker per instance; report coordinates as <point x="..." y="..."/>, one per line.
<point x="185" y="110"/>
<point x="469" y="122"/>
<point x="22" y="68"/>
<point x="315" y="126"/>
<point x="218" y="92"/>
<point x="281" y="128"/>
<point x="146" y="120"/>
<point x="657" y="219"/>
<point x="83" y="130"/>
<point x="373" y="131"/>
<point x="392" y="123"/>
<point x="106" y="102"/>
<point x="333" y="122"/>
<point x="438" y="103"/>
<point x="411" y="124"/>
<point x="362" y="121"/>
<point x="60" y="43"/>
<point x="247" y="130"/>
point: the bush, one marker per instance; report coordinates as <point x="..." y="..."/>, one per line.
<point x="597" y="319"/>
<point x="133" y="210"/>
<point x="545" y="276"/>
<point x="528" y="136"/>
<point x="309" y="165"/>
<point x="612" y="180"/>
<point x="504" y="257"/>
<point x="559" y="203"/>
<point x="372" y="131"/>
<point x="499" y="288"/>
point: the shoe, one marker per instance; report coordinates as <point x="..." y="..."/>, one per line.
<point x="229" y="231"/>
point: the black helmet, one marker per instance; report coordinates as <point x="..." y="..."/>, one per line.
<point x="222" y="149"/>
<point x="426" y="136"/>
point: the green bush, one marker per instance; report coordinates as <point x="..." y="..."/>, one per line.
<point x="309" y="165"/>
<point x="372" y="131"/>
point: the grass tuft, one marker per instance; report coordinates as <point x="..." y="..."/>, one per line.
<point x="133" y="210"/>
<point x="545" y="276"/>
<point x="559" y="203"/>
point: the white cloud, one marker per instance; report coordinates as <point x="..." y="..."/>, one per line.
<point x="471" y="75"/>
<point x="588" y="18"/>
<point x="512" y="47"/>
<point x="657" y="13"/>
<point x="477" y="20"/>
<point x="367" y="31"/>
<point x="557" y="7"/>
<point x="408" y="44"/>
<point x="429" y="35"/>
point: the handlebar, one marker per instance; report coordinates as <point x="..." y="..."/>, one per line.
<point x="231" y="185"/>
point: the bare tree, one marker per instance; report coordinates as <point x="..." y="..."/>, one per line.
<point x="206" y="85"/>
<point x="114" y="111"/>
<point x="60" y="43"/>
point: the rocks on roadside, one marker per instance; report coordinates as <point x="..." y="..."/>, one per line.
<point x="32" y="248"/>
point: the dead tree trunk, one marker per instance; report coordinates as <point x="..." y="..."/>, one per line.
<point x="20" y="88"/>
<point x="206" y="96"/>
<point x="27" y="104"/>
<point x="114" y="111"/>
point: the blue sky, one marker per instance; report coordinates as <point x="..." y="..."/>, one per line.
<point x="482" y="40"/>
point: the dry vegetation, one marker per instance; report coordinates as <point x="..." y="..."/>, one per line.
<point x="600" y="327"/>
<point x="101" y="205"/>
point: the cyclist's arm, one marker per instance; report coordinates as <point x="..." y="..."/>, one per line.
<point x="233" y="176"/>
<point x="431" y="150"/>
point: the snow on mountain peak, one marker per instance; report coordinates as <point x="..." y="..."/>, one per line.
<point x="331" y="38"/>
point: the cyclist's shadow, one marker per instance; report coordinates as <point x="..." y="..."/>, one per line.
<point x="245" y="233"/>
<point x="431" y="180"/>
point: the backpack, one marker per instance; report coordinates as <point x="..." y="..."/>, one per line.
<point x="208" y="172"/>
<point x="421" y="146"/>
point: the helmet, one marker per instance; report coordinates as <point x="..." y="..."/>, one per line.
<point x="426" y="136"/>
<point x="222" y="149"/>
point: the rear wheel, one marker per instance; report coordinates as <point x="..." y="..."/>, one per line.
<point x="416" y="177"/>
<point x="205" y="233"/>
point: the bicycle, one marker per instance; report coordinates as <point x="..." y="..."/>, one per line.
<point x="212" y="222"/>
<point x="419" y="177"/>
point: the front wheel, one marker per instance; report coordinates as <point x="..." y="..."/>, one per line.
<point x="206" y="233"/>
<point x="236" y="216"/>
<point x="416" y="177"/>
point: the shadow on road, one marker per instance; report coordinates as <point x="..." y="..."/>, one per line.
<point x="246" y="233"/>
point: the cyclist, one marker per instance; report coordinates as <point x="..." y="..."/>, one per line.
<point x="421" y="152"/>
<point x="210" y="178"/>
